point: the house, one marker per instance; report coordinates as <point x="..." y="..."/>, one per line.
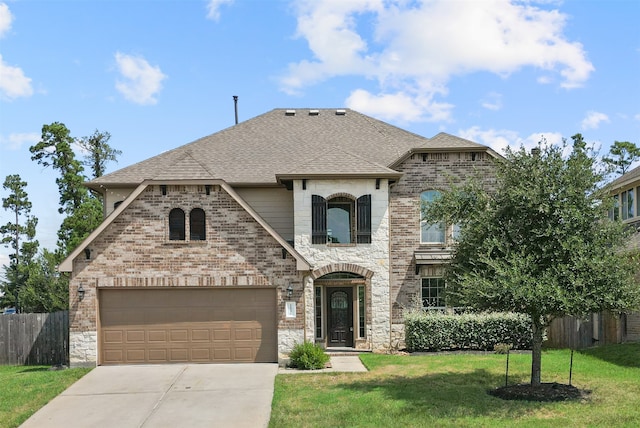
<point x="294" y="225"/>
<point x="626" y="193"/>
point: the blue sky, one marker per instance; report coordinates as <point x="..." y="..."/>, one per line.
<point x="159" y="74"/>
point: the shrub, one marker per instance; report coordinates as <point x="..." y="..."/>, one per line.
<point x="428" y="331"/>
<point x="502" y="348"/>
<point x="308" y="356"/>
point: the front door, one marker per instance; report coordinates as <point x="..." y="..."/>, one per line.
<point x="340" y="316"/>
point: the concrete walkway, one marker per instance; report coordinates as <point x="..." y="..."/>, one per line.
<point x="176" y="395"/>
<point x="349" y="363"/>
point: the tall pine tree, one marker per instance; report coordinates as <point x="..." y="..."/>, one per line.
<point x="20" y="236"/>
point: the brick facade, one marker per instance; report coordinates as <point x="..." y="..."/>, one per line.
<point x="422" y="171"/>
<point x="134" y="251"/>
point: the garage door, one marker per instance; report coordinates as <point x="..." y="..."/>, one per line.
<point x="187" y="325"/>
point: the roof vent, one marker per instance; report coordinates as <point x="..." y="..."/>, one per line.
<point x="341" y="112"/>
<point x="314" y="112"/>
<point x="290" y="113"/>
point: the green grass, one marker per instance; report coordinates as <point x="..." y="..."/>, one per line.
<point x="25" y="389"/>
<point x="450" y="390"/>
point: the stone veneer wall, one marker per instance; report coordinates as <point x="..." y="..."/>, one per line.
<point x="428" y="171"/>
<point x="134" y="251"/>
<point x="372" y="257"/>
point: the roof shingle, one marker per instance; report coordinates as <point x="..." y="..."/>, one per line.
<point x="277" y="142"/>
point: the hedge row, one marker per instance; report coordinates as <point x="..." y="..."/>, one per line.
<point x="434" y="331"/>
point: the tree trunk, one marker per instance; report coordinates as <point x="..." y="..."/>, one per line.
<point x="536" y="354"/>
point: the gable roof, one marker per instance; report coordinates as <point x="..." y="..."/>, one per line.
<point x="444" y="142"/>
<point x="284" y="142"/>
<point x="626" y="179"/>
<point x="448" y="141"/>
<point x="67" y="263"/>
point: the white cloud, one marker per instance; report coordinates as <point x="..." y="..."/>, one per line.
<point x="594" y="119"/>
<point x="414" y="48"/>
<point x="637" y="116"/>
<point x="500" y="139"/>
<point x="493" y="101"/>
<point x="140" y="82"/>
<point x="213" y="8"/>
<point x="4" y="260"/>
<point x="400" y="106"/>
<point x="16" y="140"/>
<point x="13" y="82"/>
<point x="5" y="19"/>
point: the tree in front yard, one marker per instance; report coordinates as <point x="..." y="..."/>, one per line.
<point x="540" y="242"/>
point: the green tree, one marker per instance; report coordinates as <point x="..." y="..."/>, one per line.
<point x="45" y="290"/>
<point x="540" y="242"/>
<point x="621" y="156"/>
<point x="98" y="152"/>
<point x="55" y="150"/>
<point x="20" y="236"/>
<point x="83" y="211"/>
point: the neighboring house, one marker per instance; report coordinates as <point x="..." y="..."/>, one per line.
<point x="626" y="193"/>
<point x="294" y="225"/>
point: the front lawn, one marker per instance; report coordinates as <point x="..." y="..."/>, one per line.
<point x="450" y="390"/>
<point x="25" y="389"/>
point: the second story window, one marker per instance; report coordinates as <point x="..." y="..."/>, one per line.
<point x="340" y="214"/>
<point x="341" y="220"/>
<point x="430" y="233"/>
<point x="627" y="204"/>
<point x="176" y="225"/>
<point x="616" y="207"/>
<point x="197" y="225"/>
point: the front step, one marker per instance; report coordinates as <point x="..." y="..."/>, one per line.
<point x="345" y="352"/>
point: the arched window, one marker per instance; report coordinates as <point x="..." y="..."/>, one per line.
<point x="176" y="225"/>
<point x="430" y="233"/>
<point x="340" y="215"/>
<point x="341" y="220"/>
<point x="197" y="225"/>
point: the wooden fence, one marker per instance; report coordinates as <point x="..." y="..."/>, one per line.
<point x="34" y="339"/>
<point x="598" y="329"/>
<point x="570" y="332"/>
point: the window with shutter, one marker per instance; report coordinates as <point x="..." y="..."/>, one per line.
<point x="340" y="220"/>
<point x="364" y="219"/>
<point x="318" y="220"/>
<point x="197" y="225"/>
<point x="176" y="225"/>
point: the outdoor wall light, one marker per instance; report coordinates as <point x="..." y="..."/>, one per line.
<point x="290" y="291"/>
<point x="81" y="292"/>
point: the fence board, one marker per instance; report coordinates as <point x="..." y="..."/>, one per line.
<point x="41" y="339"/>
<point x="570" y="332"/>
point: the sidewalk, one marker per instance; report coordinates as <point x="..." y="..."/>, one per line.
<point x="349" y="363"/>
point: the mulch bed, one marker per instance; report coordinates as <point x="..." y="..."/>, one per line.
<point x="543" y="392"/>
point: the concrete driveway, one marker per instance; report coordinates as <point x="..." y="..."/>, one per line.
<point x="180" y="395"/>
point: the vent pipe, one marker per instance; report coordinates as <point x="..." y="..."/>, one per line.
<point x="235" y="106"/>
